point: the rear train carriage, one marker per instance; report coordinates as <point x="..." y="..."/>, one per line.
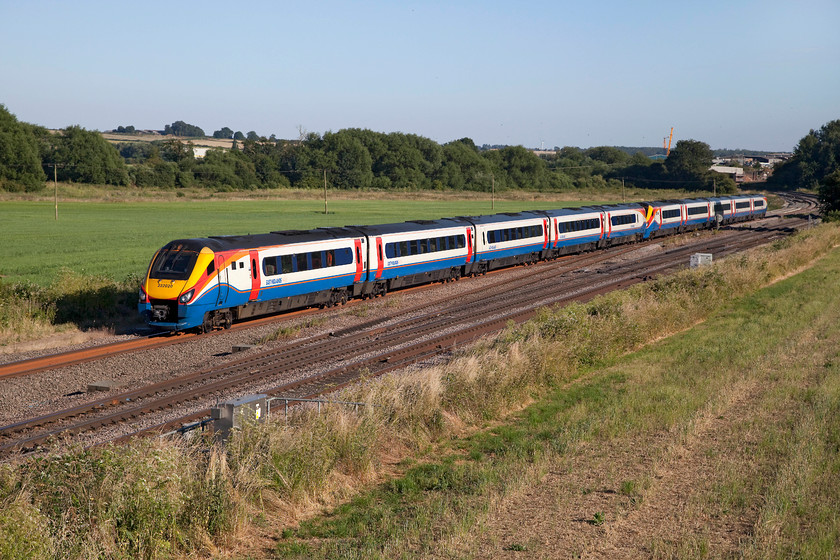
<point x="759" y="208"/>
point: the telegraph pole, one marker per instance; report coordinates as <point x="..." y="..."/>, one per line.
<point x="55" y="184"/>
<point x="325" y="192"/>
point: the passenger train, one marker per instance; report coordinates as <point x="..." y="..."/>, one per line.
<point x="211" y="282"/>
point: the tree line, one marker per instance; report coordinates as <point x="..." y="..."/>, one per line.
<point x="348" y="159"/>
<point x="815" y="165"/>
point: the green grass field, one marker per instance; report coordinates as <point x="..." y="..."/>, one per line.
<point x="118" y="239"/>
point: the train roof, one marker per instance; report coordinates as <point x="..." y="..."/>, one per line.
<point x="503" y="217"/>
<point x="235" y="242"/>
<point x="399" y="227"/>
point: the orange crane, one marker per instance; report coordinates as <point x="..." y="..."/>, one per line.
<point x="667" y="147"/>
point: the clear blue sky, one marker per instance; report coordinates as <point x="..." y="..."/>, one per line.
<point x="734" y="74"/>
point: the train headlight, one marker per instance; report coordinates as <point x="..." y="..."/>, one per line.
<point x="142" y="295"/>
<point x="187" y="296"/>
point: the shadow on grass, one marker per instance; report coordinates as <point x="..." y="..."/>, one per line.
<point x="106" y="307"/>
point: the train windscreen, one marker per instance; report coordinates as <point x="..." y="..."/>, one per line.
<point x="174" y="262"/>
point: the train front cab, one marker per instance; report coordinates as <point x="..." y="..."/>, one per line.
<point x="180" y="286"/>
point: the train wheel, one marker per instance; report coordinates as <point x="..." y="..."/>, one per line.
<point x="207" y="324"/>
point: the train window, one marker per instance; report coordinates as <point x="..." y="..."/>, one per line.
<point x="315" y="260"/>
<point x="695" y="210"/>
<point x="343" y="256"/>
<point x="286" y="264"/>
<point x="414" y="247"/>
<point x="302" y="262"/>
<point x="404" y="249"/>
<point x="744" y="204"/>
<point x="391" y="250"/>
<point x="623" y="219"/>
<point x="673" y="213"/>
<point x="254" y="268"/>
<point x="329" y="258"/>
<point x="211" y="268"/>
<point x="270" y="266"/>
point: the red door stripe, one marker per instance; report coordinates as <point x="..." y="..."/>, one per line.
<point x="255" y="276"/>
<point x="380" y="261"/>
<point x="545" y="229"/>
<point x="358" y="243"/>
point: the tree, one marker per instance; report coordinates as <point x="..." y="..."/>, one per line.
<point x="85" y="156"/>
<point x="351" y="162"/>
<point x="463" y="166"/>
<point x="252" y="135"/>
<point x="816" y="157"/>
<point x="20" y="161"/>
<point x="178" y="152"/>
<point x="608" y="155"/>
<point x="829" y="193"/>
<point x="238" y="135"/>
<point x="689" y="160"/>
<point x="180" y="128"/>
<point x="225" y="133"/>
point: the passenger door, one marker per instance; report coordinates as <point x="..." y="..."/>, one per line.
<point x="222" y="277"/>
<point x="254" y="263"/>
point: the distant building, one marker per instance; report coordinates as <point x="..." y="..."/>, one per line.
<point x="737" y="173"/>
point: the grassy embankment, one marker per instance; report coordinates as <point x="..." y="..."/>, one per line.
<point x="751" y="393"/>
<point x="82" y="271"/>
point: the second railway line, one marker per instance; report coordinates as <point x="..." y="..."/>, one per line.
<point x="439" y="319"/>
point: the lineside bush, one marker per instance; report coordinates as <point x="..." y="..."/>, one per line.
<point x="29" y="311"/>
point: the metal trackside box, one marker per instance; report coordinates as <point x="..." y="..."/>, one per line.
<point x="240" y="412"/>
<point x="700" y="259"/>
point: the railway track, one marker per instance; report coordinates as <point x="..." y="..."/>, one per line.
<point x="798" y="203"/>
<point x="382" y="345"/>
